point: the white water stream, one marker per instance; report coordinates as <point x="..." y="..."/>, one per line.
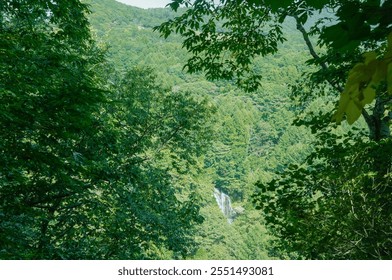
<point x="224" y="204"/>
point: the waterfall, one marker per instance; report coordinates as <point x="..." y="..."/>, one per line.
<point x="224" y="204"/>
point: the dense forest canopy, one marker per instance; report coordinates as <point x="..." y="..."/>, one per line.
<point x="122" y="130"/>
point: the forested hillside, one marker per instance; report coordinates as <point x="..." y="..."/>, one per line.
<point x="252" y="132"/>
<point x="148" y="134"/>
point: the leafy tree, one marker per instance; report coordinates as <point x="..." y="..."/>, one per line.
<point x="332" y="206"/>
<point x="134" y="210"/>
<point x="89" y="156"/>
<point x="48" y="99"/>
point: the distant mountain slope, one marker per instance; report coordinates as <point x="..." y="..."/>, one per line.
<point x="132" y="42"/>
<point x="128" y="31"/>
<point x="254" y="136"/>
<point x="145" y="17"/>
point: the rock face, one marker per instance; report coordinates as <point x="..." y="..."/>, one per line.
<point x="224" y="204"/>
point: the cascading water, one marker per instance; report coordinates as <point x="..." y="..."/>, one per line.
<point x="224" y="204"/>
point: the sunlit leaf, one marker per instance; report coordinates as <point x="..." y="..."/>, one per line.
<point x="362" y="82"/>
<point x="369" y="93"/>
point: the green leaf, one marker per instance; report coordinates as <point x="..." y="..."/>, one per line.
<point x="369" y="94"/>
<point x="353" y="111"/>
<point x="317" y="4"/>
<point x="174" y="5"/>
<point x="335" y="35"/>
<point x="276" y="5"/>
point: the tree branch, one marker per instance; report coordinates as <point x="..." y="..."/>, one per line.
<point x="313" y="53"/>
<point x="368" y="118"/>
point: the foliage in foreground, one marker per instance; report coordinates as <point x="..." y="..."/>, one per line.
<point x="88" y="155"/>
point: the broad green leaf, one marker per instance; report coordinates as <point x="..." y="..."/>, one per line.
<point x="369" y="57"/>
<point x="360" y="89"/>
<point x="380" y="72"/>
<point x="353" y="111"/>
<point x="368" y="94"/>
<point x="335" y="35"/>
<point x="343" y="102"/>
